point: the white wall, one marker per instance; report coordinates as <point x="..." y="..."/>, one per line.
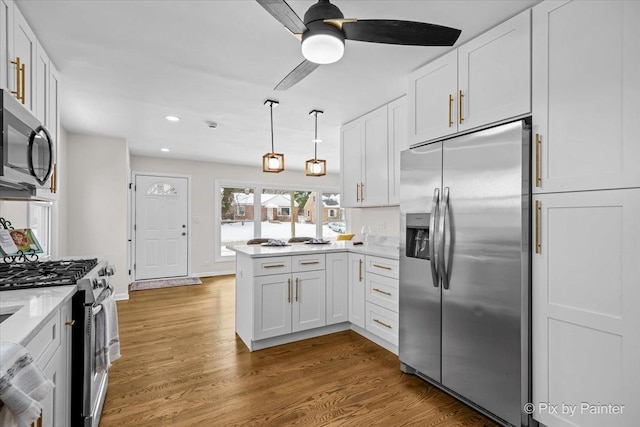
<point x="384" y="221"/>
<point x="96" y="202"/>
<point x="203" y="202"/>
<point x="59" y="230"/>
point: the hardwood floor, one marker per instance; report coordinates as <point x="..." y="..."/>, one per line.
<point x="182" y="365"/>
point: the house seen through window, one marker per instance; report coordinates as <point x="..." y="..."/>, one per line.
<point x="247" y="213"/>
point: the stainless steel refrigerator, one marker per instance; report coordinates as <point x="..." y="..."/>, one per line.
<point x="464" y="268"/>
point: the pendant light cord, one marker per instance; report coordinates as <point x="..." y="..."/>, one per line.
<point x="315" y="141"/>
<point x="271" y="109"/>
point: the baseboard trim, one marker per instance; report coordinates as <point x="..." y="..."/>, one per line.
<point x="376" y="339"/>
<point x="214" y="273"/>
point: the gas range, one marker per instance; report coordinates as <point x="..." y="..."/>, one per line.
<point x="90" y="275"/>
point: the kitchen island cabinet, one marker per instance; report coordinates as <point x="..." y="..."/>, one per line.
<point x="286" y="294"/>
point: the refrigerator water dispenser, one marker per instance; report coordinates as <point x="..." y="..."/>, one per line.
<point x="418" y="235"/>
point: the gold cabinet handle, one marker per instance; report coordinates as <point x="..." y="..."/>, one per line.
<point x="309" y="262"/>
<point x="384" y="267"/>
<point x="460" y="105"/>
<point x="362" y="191"/>
<point x="288" y="290"/>
<point x="18" y="65"/>
<point x="273" y="266"/>
<point x="360" y="271"/>
<point x="382" y="323"/>
<point x="382" y="292"/>
<point x="538" y="213"/>
<point x="357" y="192"/>
<point x="70" y="323"/>
<point x="450" y="110"/>
<point x="538" y="147"/>
<point x="54" y="179"/>
<point x="22" y="79"/>
<point x="297" y="282"/>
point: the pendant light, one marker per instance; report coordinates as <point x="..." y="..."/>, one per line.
<point x="272" y="162"/>
<point x="315" y="167"/>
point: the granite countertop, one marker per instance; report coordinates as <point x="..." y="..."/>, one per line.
<point x="259" y="251"/>
<point x="31" y="308"/>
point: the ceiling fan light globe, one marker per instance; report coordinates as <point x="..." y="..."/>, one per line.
<point x="322" y="48"/>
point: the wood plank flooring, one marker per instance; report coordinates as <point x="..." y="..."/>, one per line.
<point x="182" y="365"/>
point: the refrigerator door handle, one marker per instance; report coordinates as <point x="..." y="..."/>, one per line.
<point x="432" y="234"/>
<point x="442" y="239"/>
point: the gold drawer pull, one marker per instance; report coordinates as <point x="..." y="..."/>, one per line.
<point x="461" y="98"/>
<point x="288" y="290"/>
<point x="309" y="262"/>
<point x="273" y="266"/>
<point x="382" y="266"/>
<point x="382" y="323"/>
<point x="360" y="271"/>
<point x="450" y="111"/>
<point x="70" y="323"/>
<point x="382" y="292"/>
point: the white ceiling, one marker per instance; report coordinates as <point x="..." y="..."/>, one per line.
<point x="125" y="65"/>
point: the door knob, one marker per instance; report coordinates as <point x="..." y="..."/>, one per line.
<point x="184" y="234"/>
<point x="184" y="226"/>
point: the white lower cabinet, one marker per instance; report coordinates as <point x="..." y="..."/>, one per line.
<point x="381" y="290"/>
<point x="585" y="293"/>
<point x="337" y="268"/>
<point x="356" y="290"/>
<point x="50" y="348"/>
<point x="286" y="303"/>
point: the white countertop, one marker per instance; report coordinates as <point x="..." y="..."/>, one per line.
<point x="259" y="251"/>
<point x="31" y="308"/>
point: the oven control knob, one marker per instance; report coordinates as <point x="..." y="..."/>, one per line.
<point x="102" y="282"/>
<point x="94" y="283"/>
<point x="109" y="270"/>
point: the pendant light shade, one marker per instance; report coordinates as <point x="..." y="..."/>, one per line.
<point x="315" y="166"/>
<point x="272" y="162"/>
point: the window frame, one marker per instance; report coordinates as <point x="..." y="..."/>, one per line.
<point x="257" y="225"/>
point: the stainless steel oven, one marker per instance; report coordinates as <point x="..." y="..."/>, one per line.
<point x="26" y="149"/>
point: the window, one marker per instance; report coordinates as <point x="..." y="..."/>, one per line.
<point x="247" y="212"/>
<point x="162" y="189"/>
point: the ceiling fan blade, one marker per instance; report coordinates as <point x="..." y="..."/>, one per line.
<point x="400" y="32"/>
<point x="280" y="10"/>
<point x="300" y="72"/>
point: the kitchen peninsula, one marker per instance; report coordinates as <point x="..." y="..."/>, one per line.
<point x="290" y="293"/>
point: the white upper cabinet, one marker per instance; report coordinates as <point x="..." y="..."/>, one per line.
<point x="7" y="69"/>
<point x="397" y="141"/>
<point x="41" y="86"/>
<point x="494" y="74"/>
<point x="431" y="97"/>
<point x="24" y="48"/>
<point x="350" y="167"/>
<point x="486" y="80"/>
<point x="586" y="63"/>
<point x="364" y="160"/>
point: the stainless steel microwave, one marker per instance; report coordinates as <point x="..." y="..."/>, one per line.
<point x="26" y="150"/>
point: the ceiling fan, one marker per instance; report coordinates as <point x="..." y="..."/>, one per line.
<point x="325" y="29"/>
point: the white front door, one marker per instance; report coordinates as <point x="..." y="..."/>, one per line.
<point x="161" y="227"/>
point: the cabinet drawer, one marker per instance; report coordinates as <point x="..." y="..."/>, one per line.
<point x="383" y="266"/>
<point x="307" y="262"/>
<point x="271" y="265"/>
<point x="382" y="322"/>
<point x="383" y="291"/>
<point x="45" y="343"/>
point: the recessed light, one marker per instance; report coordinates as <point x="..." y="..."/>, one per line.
<point x="173" y="118"/>
<point x="165" y="149"/>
